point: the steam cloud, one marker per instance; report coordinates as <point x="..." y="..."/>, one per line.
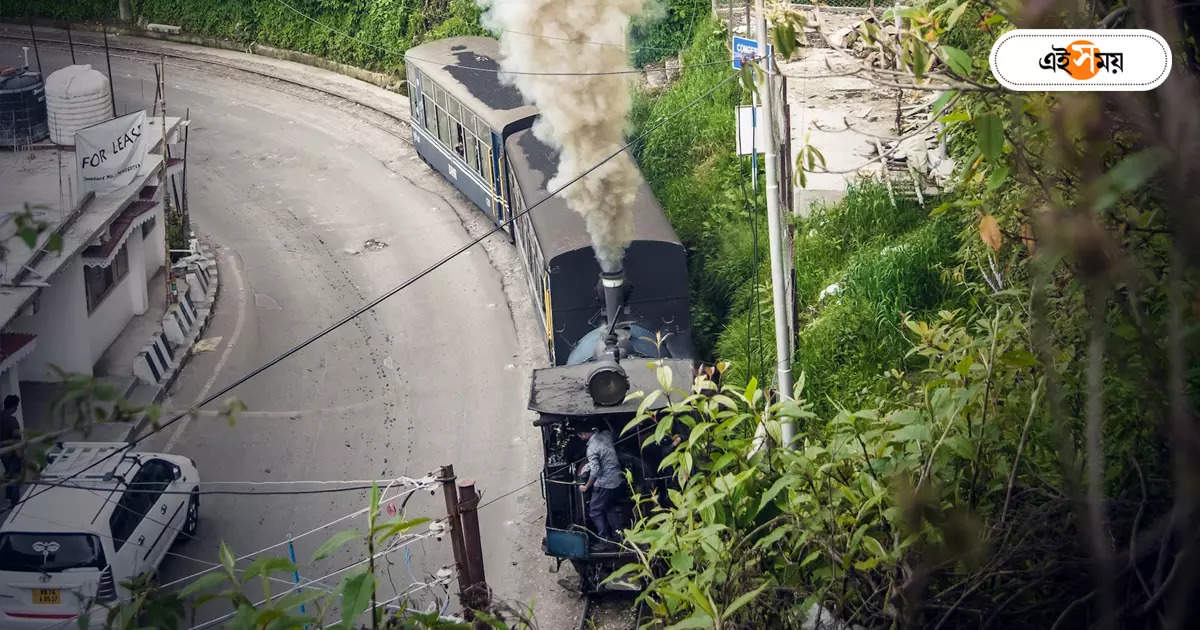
<point x="583" y="117"/>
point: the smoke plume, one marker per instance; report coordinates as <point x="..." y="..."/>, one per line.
<point x="583" y="117"/>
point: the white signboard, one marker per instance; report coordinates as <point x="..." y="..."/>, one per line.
<point x="108" y="155"/>
<point x="751" y="119"/>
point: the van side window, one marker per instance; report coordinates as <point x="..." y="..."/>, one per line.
<point x="140" y="496"/>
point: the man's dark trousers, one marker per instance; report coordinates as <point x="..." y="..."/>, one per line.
<point x="604" y="512"/>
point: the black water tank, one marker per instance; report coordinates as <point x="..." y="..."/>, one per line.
<point x="22" y="108"/>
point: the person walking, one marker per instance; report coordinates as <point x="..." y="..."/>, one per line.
<point x="604" y="482"/>
<point x="10" y="434"/>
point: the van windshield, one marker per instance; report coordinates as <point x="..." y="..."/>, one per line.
<point x="49" y="552"/>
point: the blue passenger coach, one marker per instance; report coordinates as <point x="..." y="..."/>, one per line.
<point x="461" y="115"/>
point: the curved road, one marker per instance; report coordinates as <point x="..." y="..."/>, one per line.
<point x="315" y="206"/>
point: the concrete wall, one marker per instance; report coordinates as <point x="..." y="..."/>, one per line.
<point x="155" y="242"/>
<point x="115" y="311"/>
<point x="61" y="325"/>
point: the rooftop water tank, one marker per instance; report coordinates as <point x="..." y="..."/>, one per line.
<point x="76" y="97"/>
<point x="22" y="108"/>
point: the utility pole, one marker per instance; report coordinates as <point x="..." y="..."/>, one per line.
<point x="783" y="343"/>
<point x="468" y="506"/>
<point x="126" y="13"/>
<point x="446" y="478"/>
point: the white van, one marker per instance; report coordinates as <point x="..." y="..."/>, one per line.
<point x="72" y="540"/>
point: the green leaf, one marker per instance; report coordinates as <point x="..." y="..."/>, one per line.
<point x="697" y="620"/>
<point x="990" y="134"/>
<point x="267" y="566"/>
<point x="873" y="546"/>
<point x="867" y="564"/>
<point x="356" y="596"/>
<point x="55" y="242"/>
<point x="1018" y="358"/>
<point x="773" y="536"/>
<point x="682" y="562"/>
<point x="374" y="504"/>
<point x="392" y="529"/>
<point x="784" y="36"/>
<point x="335" y="542"/>
<point x="912" y="433"/>
<point x="203" y="583"/>
<point x="941" y="101"/>
<point x="810" y="558"/>
<point x="997" y="177"/>
<point x="664" y="376"/>
<point x="267" y="616"/>
<point x="29" y="236"/>
<point x="956" y="14"/>
<point x="299" y="598"/>
<point x="742" y="600"/>
<point x="226" y="557"/>
<point x="775" y="488"/>
<point x="1130" y="173"/>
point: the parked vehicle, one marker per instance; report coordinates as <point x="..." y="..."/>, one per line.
<point x="72" y="542"/>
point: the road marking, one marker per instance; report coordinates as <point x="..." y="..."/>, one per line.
<point x="233" y="339"/>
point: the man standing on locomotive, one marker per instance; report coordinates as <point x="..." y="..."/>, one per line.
<point x="604" y="482"/>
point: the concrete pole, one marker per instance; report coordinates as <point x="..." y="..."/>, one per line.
<point x="447" y="478"/>
<point x="783" y="344"/>
<point x="125" y="11"/>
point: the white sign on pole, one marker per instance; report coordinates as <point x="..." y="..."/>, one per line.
<point x="109" y="155"/>
<point x="751" y="129"/>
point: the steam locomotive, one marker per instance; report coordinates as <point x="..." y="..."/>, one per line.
<point x="601" y="329"/>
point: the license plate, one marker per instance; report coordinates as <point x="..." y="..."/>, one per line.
<point x="47" y="596"/>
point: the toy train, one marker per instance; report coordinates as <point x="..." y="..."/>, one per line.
<point x="600" y="328"/>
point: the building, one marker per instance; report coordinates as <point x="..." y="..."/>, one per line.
<point x="63" y="310"/>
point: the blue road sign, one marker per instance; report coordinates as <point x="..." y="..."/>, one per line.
<point x="745" y="48"/>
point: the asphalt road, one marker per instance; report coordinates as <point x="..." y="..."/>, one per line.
<point x="314" y="208"/>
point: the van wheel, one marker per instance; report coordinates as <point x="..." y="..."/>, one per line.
<point x="192" y="522"/>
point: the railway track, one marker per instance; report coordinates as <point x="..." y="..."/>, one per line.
<point x="153" y="55"/>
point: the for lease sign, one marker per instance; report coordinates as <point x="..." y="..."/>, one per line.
<point x="108" y="155"/>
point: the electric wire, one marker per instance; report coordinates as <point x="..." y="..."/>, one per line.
<point x="244" y="493"/>
<point x="391" y="549"/>
<point x="398" y="288"/>
<point x="358" y="512"/>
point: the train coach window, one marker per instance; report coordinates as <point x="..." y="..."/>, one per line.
<point x="430" y="114"/>
<point x="473" y="153"/>
<point x="486" y="171"/>
<point x="443" y="127"/>
<point x="460" y="141"/>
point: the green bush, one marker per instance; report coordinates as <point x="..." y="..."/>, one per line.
<point x="371" y="35"/>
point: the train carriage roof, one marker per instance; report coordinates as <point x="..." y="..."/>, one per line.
<point x="467" y="69"/>
<point x="559" y="229"/>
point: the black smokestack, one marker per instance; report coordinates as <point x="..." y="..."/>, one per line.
<point x="613" y="283"/>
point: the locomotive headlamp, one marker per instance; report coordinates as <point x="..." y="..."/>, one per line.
<point x="608" y="384"/>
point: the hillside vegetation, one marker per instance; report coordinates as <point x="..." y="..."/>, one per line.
<point x="996" y="406"/>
